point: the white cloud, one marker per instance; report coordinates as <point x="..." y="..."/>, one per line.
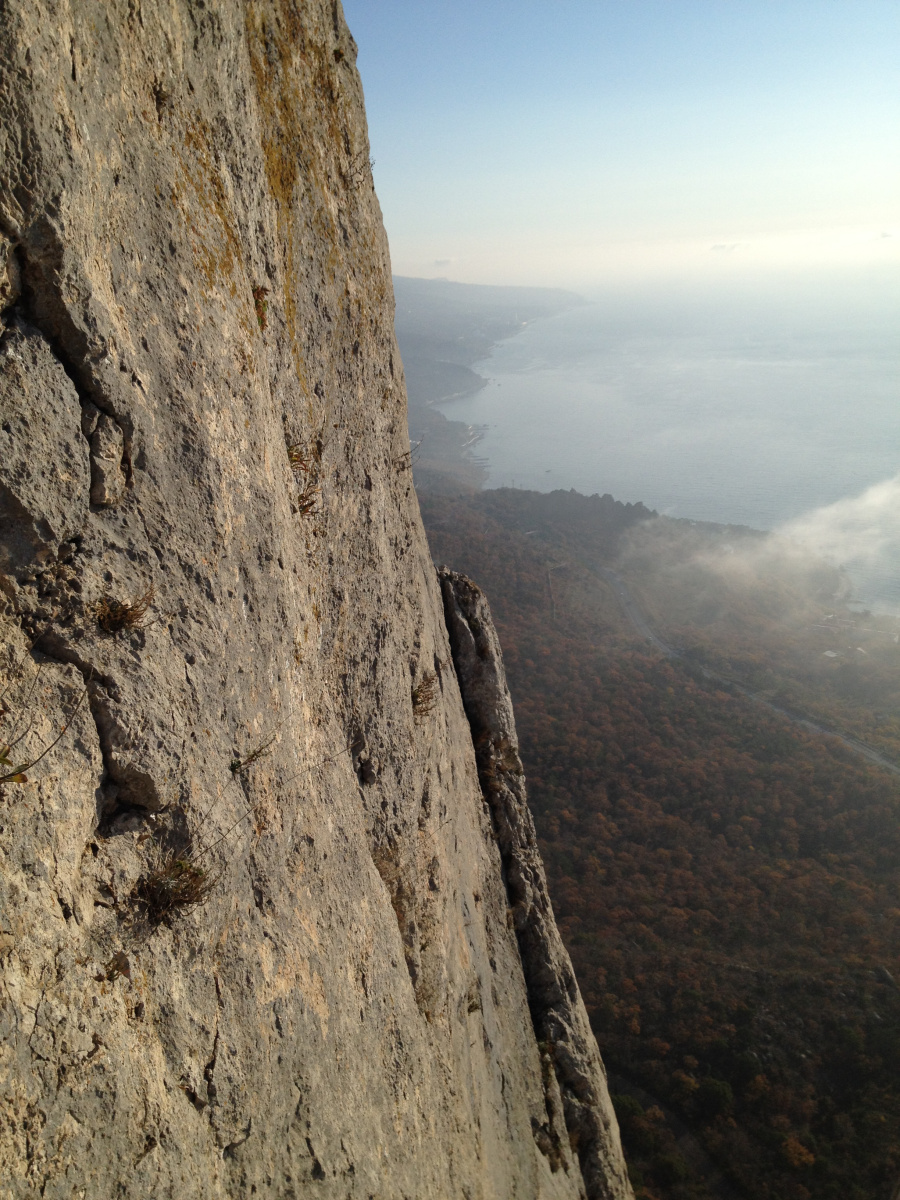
<point x="861" y="529"/>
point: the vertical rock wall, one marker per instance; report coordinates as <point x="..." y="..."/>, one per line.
<point x="255" y="937"/>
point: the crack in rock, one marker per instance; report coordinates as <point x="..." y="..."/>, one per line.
<point x="38" y="301"/>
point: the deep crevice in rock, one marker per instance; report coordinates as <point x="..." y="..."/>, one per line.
<point x="387" y="866"/>
<point x="124" y="789"/>
<point x="39" y="305"/>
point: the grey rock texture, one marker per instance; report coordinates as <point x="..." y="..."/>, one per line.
<point x="255" y="927"/>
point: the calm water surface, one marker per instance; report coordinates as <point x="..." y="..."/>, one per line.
<point x="749" y="411"/>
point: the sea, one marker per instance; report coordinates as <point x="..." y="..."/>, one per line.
<point x="770" y="406"/>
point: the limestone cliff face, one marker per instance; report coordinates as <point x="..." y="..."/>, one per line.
<point x="262" y="932"/>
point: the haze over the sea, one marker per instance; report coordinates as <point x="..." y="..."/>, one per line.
<point x="763" y="408"/>
<point x="722" y="180"/>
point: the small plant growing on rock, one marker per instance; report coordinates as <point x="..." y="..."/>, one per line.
<point x="114" y="616"/>
<point x="174" y="882"/>
<point x="261" y="306"/>
<point x="16" y="724"/>
<point x="263" y="750"/>
<point x="407" y="460"/>
<point x="14" y="774"/>
<point x="304" y="460"/>
<point x="424" y="696"/>
<point x="360" y="168"/>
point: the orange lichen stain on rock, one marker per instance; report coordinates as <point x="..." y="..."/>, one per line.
<point x="280" y="108"/>
<point x="296" y="91"/>
<point x="200" y="194"/>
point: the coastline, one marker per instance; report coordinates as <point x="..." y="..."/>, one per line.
<point x="442" y="329"/>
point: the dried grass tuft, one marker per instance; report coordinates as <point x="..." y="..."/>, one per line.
<point x="174" y="883"/>
<point x="424" y="696"/>
<point x="304" y="460"/>
<point x="113" y="615"/>
<point x="261" y="306"/>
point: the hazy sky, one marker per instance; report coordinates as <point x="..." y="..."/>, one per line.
<point x="578" y="142"/>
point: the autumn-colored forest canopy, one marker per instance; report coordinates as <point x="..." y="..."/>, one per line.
<point x="726" y="882"/>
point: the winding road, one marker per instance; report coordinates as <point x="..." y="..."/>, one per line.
<point x="639" y="621"/>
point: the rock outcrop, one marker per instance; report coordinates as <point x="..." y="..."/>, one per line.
<point x="574" y="1079"/>
<point x="262" y="933"/>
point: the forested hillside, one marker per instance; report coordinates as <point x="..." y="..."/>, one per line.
<point x="726" y="881"/>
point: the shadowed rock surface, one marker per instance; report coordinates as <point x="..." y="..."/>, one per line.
<point x="254" y="919"/>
